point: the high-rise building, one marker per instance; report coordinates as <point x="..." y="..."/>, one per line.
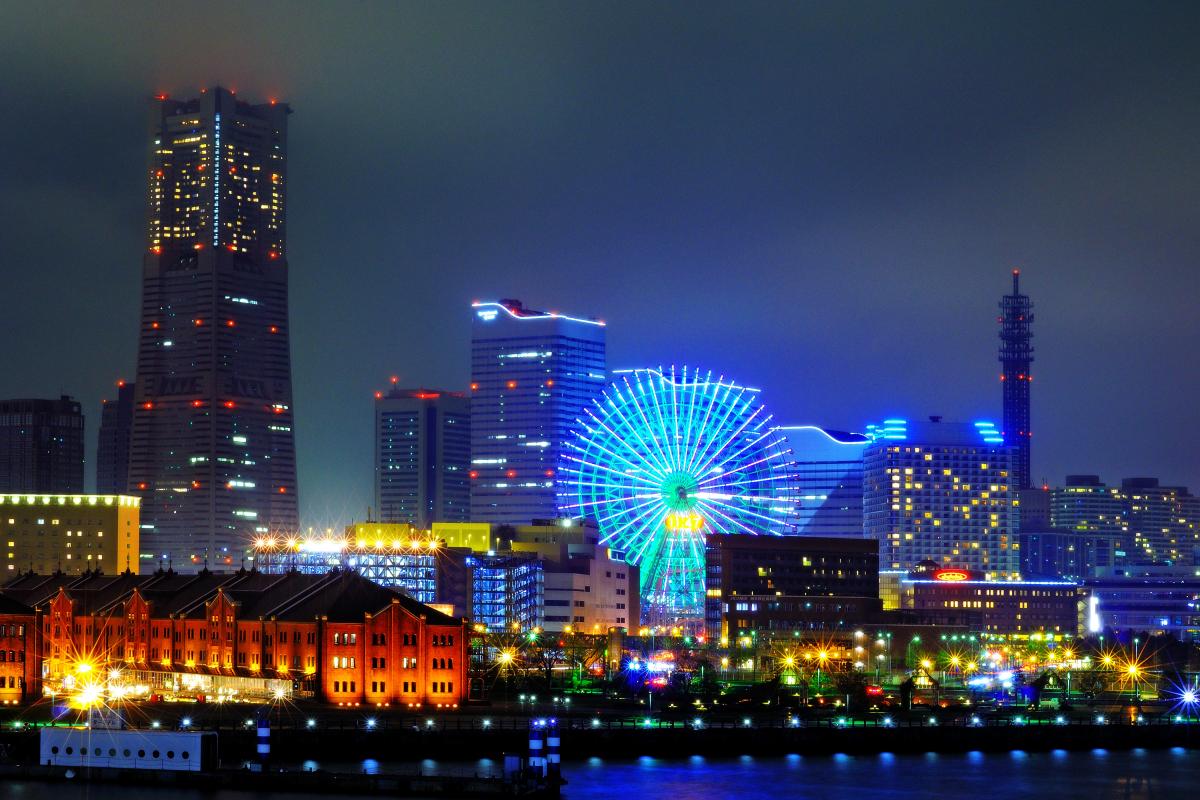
<point x="422" y="456"/>
<point x="532" y="373"/>
<point x="1141" y="523"/>
<point x="41" y="445"/>
<point x="1016" y="356"/>
<point x="1165" y="522"/>
<point x="212" y="452"/>
<point x="112" y="451"/>
<point x="828" y="470"/>
<point x="942" y="492"/>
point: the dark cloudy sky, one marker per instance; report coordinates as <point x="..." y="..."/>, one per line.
<point x="823" y="199"/>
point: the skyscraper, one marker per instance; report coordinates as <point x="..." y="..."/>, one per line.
<point x="41" y="446"/>
<point x="112" y="451"/>
<point x="828" y="469"/>
<point x="1016" y="356"/>
<point x="532" y="373"/>
<point x="942" y="492"/>
<point x="422" y="456"/>
<point x="212" y="452"/>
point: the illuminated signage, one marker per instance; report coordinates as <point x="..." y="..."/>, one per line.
<point x="683" y="522"/>
<point x="952" y="575"/>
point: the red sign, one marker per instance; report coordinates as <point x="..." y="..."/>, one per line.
<point x="951" y="575"/>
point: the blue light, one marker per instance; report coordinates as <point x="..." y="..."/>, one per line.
<point x="528" y="315"/>
<point x="216" y="178"/>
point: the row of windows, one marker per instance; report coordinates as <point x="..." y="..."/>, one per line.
<point x="112" y="752"/>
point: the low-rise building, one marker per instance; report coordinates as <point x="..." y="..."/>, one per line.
<point x="1162" y="604"/>
<point x="789" y="583"/>
<point x="72" y="533"/>
<point x="953" y="596"/>
<point x="586" y="587"/>
<point x="551" y="575"/>
<point x="337" y="637"/>
<point x="20" y="676"/>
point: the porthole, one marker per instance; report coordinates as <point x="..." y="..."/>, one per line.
<point x="126" y="752"/>
<point x="154" y="754"/>
<point x="141" y="753"/>
<point x="170" y="754"/>
<point x="184" y="755"/>
<point x="112" y="752"/>
<point x="70" y="751"/>
<point x="54" y="750"/>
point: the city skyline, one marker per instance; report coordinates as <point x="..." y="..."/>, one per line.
<point x="818" y="292"/>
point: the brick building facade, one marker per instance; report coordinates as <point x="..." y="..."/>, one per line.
<point x="337" y="638"/>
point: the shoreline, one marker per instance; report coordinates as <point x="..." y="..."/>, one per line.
<point x="578" y="744"/>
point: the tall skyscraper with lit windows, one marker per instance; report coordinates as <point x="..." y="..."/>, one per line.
<point x="532" y="373"/>
<point x="942" y="492"/>
<point x="422" y="456"/>
<point x="41" y="445"/>
<point x="112" y="449"/>
<point x="212" y="453"/>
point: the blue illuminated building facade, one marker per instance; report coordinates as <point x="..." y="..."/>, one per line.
<point x="941" y="492"/>
<point x="532" y="374"/>
<point x="507" y="590"/>
<point x="827" y="467"/>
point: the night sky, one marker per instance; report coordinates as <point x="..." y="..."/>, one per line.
<point x="824" y="200"/>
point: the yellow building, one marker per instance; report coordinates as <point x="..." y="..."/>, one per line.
<point x="477" y="536"/>
<point x="367" y="535"/>
<point x="69" y="532"/>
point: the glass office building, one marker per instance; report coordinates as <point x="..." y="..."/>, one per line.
<point x="828" y="472"/>
<point x="532" y="373"/>
<point x="422" y="456"/>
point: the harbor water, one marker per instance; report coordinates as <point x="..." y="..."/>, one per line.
<point x="1080" y="775"/>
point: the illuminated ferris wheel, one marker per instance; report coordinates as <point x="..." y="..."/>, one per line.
<point x="664" y="457"/>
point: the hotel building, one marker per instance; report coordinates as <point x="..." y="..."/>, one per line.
<point x="942" y="492"/>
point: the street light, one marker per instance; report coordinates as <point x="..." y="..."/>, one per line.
<point x="1134" y="672"/>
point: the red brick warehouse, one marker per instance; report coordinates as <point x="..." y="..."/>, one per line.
<point x="336" y="638"/>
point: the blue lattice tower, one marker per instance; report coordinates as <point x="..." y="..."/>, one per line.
<point x="1016" y="356"/>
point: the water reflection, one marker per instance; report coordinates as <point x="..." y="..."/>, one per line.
<point x="370" y="766"/>
<point x="1079" y="775"/>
